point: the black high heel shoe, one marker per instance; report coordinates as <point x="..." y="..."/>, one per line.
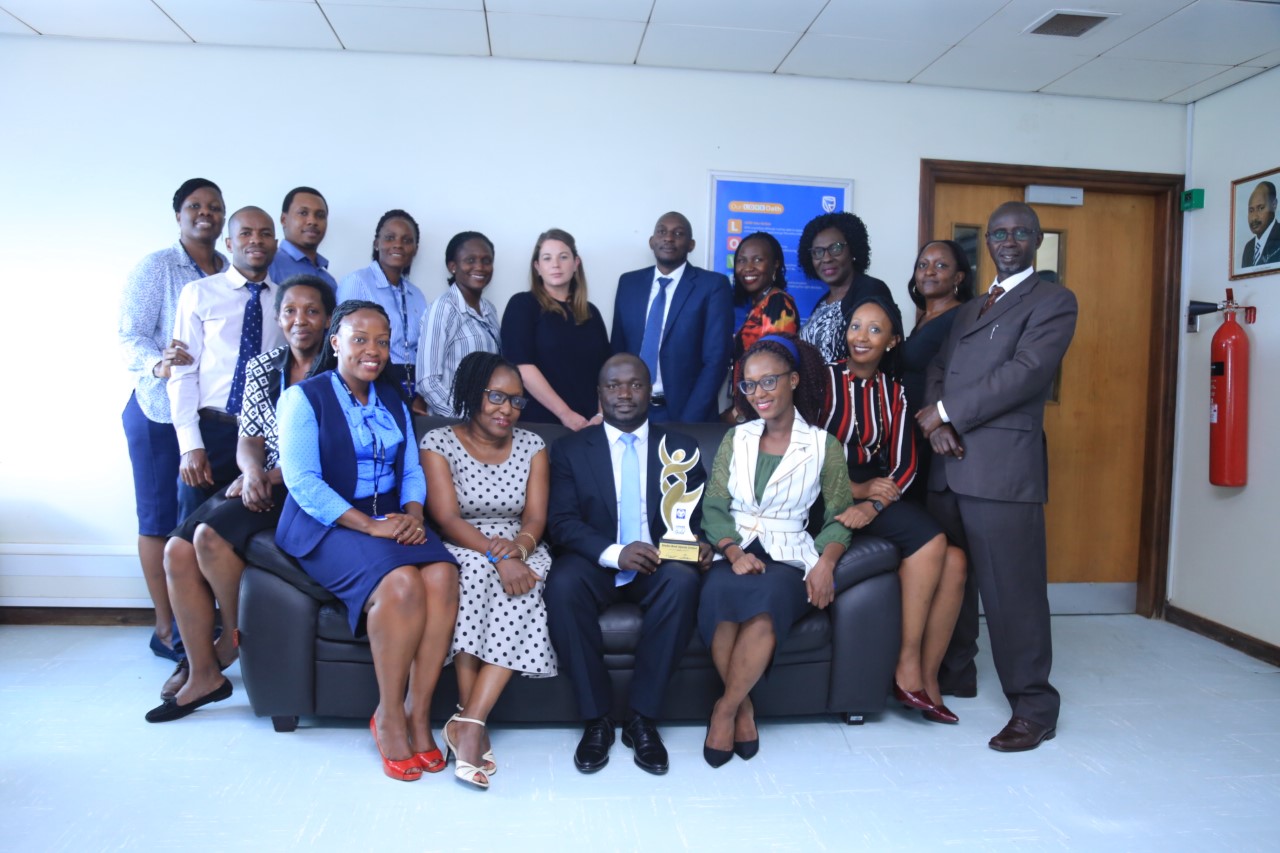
<point x="717" y="757"/>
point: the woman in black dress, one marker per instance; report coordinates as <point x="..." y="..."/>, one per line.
<point x="942" y="281"/>
<point x="835" y="249"/>
<point x="556" y="337"/>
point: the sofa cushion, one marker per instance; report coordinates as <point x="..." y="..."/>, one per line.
<point x="263" y="552"/>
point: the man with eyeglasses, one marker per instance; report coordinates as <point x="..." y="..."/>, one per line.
<point x="602" y="514"/>
<point x="679" y="320"/>
<point x="984" y="417"/>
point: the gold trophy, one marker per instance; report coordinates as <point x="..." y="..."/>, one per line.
<point x="678" y="504"/>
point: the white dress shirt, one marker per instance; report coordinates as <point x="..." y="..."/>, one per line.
<point x="209" y="320"/>
<point x="1008" y="284"/>
<point x="609" y="557"/>
<point x="675" y="275"/>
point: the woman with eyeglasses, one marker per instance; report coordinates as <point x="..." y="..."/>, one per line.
<point x="760" y="296"/>
<point x="865" y="407"/>
<point x="487" y="485"/>
<point x="835" y="249"/>
<point x="353" y="520"/>
<point x="765" y="479"/>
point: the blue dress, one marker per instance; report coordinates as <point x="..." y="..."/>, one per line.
<point x="337" y="454"/>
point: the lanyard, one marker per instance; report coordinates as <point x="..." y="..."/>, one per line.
<point x="379" y="449"/>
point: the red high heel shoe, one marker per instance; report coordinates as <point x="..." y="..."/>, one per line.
<point x="430" y="762"/>
<point x="941" y="714"/>
<point x="917" y="700"/>
<point x="404" y="769"/>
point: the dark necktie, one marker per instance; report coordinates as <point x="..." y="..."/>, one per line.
<point x="992" y="295"/>
<point x="250" y="344"/>
<point x="652" y="340"/>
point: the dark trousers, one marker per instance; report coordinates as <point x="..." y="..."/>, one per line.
<point x="578" y="591"/>
<point x="1005" y="542"/>
<point x="220" y="437"/>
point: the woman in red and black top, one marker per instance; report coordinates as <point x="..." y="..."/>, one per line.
<point x="865" y="407"/>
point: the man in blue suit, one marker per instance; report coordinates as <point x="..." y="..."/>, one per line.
<point x="679" y="320"/>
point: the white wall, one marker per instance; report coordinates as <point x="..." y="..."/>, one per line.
<point x="1224" y="564"/>
<point x="98" y="135"/>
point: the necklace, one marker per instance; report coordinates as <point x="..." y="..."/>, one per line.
<point x="875" y="417"/>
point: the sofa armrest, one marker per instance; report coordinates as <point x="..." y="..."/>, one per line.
<point x="277" y="644"/>
<point x="866" y="627"/>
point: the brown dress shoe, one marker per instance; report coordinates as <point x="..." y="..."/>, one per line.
<point x="1021" y="734"/>
<point x="174" y="682"/>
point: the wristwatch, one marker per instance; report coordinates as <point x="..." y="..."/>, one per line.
<point x="879" y="507"/>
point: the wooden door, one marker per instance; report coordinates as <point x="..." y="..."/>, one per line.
<point x="1097" y="425"/>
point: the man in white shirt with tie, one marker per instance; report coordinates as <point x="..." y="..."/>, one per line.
<point x="225" y="321"/>
<point x="1264" y="248"/>
<point x="604" y="521"/>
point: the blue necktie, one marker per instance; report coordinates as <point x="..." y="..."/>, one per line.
<point x="250" y="345"/>
<point x="652" y="340"/>
<point x="629" y="513"/>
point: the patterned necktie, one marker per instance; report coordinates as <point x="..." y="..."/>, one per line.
<point x="1257" y="250"/>
<point x="250" y="344"/>
<point x="992" y="295"/>
<point x="652" y="341"/>
<point x="629" y="512"/>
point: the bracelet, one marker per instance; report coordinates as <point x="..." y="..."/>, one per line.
<point x="524" y="552"/>
<point x="532" y="541"/>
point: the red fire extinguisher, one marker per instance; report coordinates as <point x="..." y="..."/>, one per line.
<point x="1229" y="397"/>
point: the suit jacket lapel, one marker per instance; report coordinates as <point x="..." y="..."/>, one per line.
<point x="681" y="296"/>
<point x="602" y="467"/>
<point x="799" y="451"/>
<point x="1004" y="304"/>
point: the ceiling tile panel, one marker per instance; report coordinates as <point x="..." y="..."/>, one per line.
<point x="793" y="16"/>
<point x="1216" y="32"/>
<point x="12" y="26"/>
<point x="1016" y="68"/>
<point x="260" y="23"/>
<point x="717" y="48"/>
<point x="1134" y="16"/>
<point x="462" y="5"/>
<point x="1132" y="79"/>
<point x="860" y="59"/>
<point x="610" y="10"/>
<point x="567" y="39"/>
<point x="905" y="20"/>
<point x="447" y="32"/>
<point x="1266" y="60"/>
<point x="1230" y="77"/>
<point x="134" y="20"/>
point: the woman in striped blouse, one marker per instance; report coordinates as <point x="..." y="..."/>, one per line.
<point x="865" y="407"/>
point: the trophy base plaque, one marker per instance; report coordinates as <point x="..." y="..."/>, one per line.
<point x="679" y="550"/>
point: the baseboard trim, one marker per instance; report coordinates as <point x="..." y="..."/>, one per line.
<point x="1251" y="646"/>
<point x="77" y="616"/>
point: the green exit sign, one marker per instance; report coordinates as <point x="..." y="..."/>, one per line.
<point x="1193" y="199"/>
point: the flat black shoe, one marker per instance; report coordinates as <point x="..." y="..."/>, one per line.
<point x="646" y="744"/>
<point x="716" y="757"/>
<point x="746" y="749"/>
<point x="171" y="710"/>
<point x="593" y="750"/>
<point x="960" y="691"/>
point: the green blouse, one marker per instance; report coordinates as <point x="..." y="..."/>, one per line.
<point x="717" y="521"/>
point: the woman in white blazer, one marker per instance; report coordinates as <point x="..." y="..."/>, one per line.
<point x="766" y="477"/>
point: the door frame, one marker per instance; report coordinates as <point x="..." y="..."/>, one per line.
<point x="1165" y="320"/>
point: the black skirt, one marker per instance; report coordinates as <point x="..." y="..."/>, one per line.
<point x="232" y="520"/>
<point x="727" y="597"/>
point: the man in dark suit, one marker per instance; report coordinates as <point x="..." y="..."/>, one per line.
<point x="1262" y="222"/>
<point x="679" y="320"/>
<point x="604" y="521"/>
<point x="984" y="417"/>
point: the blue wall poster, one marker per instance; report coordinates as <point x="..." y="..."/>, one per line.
<point x="744" y="203"/>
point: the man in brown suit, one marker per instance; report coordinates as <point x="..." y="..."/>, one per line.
<point x="984" y="417"/>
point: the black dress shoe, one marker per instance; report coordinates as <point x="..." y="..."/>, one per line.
<point x="716" y="757"/>
<point x="960" y="691"/>
<point x="171" y="710"/>
<point x="643" y="738"/>
<point x="1021" y="734"/>
<point x="593" y="750"/>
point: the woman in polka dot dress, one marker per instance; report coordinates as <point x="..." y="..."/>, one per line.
<point x="487" y="488"/>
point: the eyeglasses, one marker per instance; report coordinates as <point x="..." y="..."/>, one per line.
<point x="835" y="250"/>
<point x="1022" y="235"/>
<point x="500" y="397"/>
<point x="614" y="387"/>
<point x="768" y="383"/>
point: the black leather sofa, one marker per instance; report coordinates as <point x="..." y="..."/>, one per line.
<point x="298" y="657"/>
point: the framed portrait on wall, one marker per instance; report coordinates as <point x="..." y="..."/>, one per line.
<point x="1255" y="234"/>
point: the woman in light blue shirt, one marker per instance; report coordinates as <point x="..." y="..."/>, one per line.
<point x="148" y="308"/>
<point x="353" y="519"/>
<point x="386" y="282"/>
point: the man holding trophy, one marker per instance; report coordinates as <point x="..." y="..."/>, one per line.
<point x="624" y="515"/>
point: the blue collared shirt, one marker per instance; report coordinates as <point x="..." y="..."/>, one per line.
<point x="300" y="454"/>
<point x="148" y="308"/>
<point x="404" y="304"/>
<point x="291" y="261"/>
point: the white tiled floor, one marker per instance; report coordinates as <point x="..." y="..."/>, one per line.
<point x="1167" y="741"/>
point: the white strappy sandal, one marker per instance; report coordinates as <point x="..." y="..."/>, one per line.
<point x="464" y="770"/>
<point x="490" y="766"/>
